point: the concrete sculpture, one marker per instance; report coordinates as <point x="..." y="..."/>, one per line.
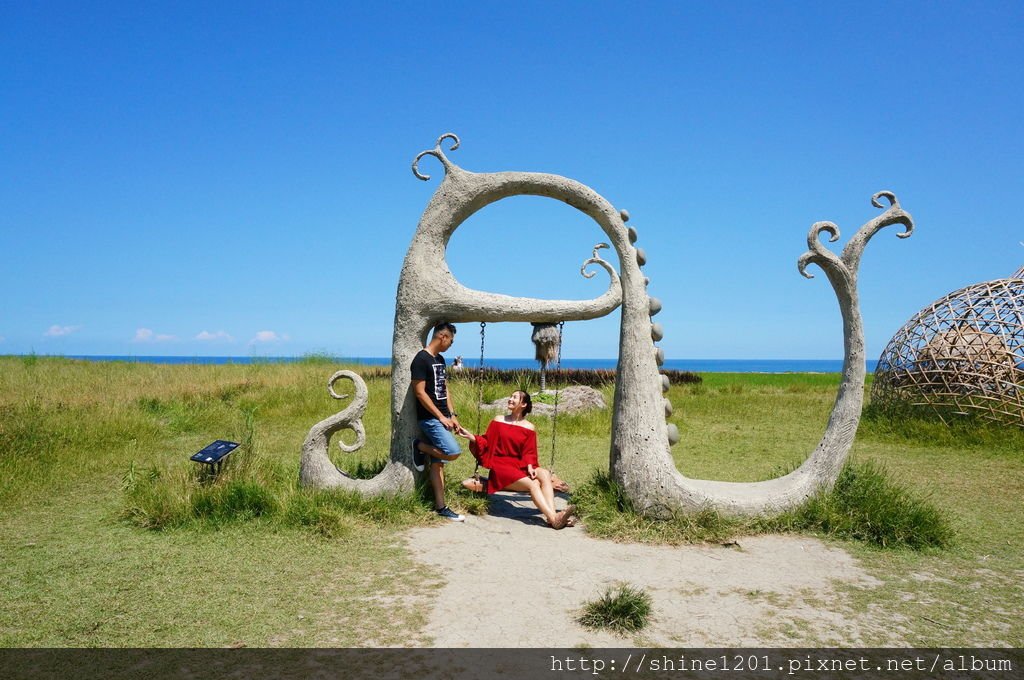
<point x="640" y="456"/>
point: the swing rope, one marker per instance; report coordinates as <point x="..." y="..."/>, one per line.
<point x="480" y="394"/>
<point x="554" y="417"/>
<point x="480" y="390"/>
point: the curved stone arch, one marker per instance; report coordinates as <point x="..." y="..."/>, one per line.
<point x="657" y="488"/>
<point x="428" y="292"/>
<point x="640" y="458"/>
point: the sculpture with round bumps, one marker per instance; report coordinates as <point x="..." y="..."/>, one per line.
<point x="640" y="458"/>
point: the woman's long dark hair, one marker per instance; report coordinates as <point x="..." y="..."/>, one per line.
<point x="528" y="400"/>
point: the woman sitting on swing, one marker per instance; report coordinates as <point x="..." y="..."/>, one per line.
<point x="509" y="450"/>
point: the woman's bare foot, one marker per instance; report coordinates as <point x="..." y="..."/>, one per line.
<point x="560" y="521"/>
<point x="566" y="518"/>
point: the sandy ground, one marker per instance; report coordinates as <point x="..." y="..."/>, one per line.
<point x="513" y="582"/>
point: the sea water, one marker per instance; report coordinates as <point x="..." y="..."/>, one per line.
<point x="695" y="365"/>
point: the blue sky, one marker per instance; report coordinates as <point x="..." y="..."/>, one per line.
<point x="217" y="179"/>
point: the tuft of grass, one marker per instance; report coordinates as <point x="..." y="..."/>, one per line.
<point x="866" y="504"/>
<point x="161" y="499"/>
<point x="253" y="487"/>
<point x="337" y="514"/>
<point x="622" y="609"/>
<point x="544" y="398"/>
<point x="609" y="514"/>
<point x="235" y="500"/>
<point x="364" y="469"/>
<point x="151" y="504"/>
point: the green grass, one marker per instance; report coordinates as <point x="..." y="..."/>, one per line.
<point x="109" y="534"/>
<point x="255" y="488"/>
<point x="624" y="609"/>
<point x="916" y="427"/>
<point x="609" y="514"/>
<point x="544" y="398"/>
<point x="866" y="505"/>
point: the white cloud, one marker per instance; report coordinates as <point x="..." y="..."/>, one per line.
<point x="219" y="335"/>
<point x="56" y="331"/>
<point x="268" y="336"/>
<point x="147" y="335"/>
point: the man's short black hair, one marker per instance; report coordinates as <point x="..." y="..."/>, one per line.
<point x="444" y="326"/>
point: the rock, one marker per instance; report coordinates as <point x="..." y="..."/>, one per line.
<point x="571" y="399"/>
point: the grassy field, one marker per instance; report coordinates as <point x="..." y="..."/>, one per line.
<point x="82" y="444"/>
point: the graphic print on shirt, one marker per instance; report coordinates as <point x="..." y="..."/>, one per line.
<point x="440" y="383"/>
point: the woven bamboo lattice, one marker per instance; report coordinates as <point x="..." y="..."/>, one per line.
<point x="960" y="356"/>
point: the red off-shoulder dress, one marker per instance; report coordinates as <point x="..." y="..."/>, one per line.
<point x="505" y="450"/>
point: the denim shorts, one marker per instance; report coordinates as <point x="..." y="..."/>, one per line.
<point x="434" y="433"/>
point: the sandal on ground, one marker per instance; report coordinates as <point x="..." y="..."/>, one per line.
<point x="563" y="518"/>
<point x="474" y="484"/>
<point x="560" y="521"/>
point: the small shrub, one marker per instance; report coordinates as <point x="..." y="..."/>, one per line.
<point x="623" y="610"/>
<point x="867" y="505"/>
<point x="153" y="502"/>
<point x="609" y="514"/>
<point x="234" y="500"/>
<point x="544" y="398"/>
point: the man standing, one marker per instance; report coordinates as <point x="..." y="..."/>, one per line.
<point x="435" y="414"/>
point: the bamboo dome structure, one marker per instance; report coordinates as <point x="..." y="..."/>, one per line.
<point x="962" y="355"/>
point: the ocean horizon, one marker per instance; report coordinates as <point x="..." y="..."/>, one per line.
<point x="694" y="365"/>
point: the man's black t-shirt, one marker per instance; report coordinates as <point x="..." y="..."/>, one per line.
<point x="431" y="369"/>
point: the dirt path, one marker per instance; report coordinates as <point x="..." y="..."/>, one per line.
<point x="511" y="582"/>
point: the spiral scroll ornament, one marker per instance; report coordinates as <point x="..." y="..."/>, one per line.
<point x="316" y="463"/>
<point x="437" y="153"/>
